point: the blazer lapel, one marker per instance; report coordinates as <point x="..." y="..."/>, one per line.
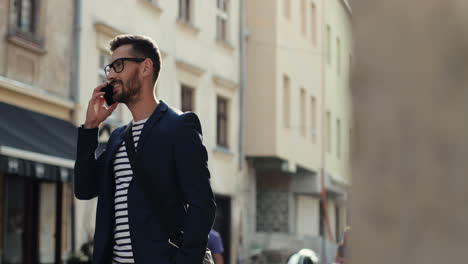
<point x="150" y="123"/>
<point x="114" y="145"/>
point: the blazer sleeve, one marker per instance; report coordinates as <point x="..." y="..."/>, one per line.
<point x="191" y="160"/>
<point x="87" y="167"/>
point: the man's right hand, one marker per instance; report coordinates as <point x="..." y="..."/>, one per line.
<point x="97" y="111"/>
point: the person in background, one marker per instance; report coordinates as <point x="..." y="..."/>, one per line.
<point x="215" y="244"/>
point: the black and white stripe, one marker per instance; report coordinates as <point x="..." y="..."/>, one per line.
<point x="123" y="174"/>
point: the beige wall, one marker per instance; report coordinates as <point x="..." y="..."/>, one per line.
<point x="300" y="59"/>
<point x="277" y="47"/>
<point x="261" y="61"/>
<point x="37" y="77"/>
<point x="337" y="88"/>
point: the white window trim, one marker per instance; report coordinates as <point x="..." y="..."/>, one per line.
<point x="183" y="7"/>
<point x="223" y="15"/>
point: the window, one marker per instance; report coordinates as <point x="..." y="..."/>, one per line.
<point x="22" y="221"/>
<point x="313" y="19"/>
<point x="313" y="106"/>
<point x="303" y="112"/>
<point x="304" y="17"/>
<point x="187" y="98"/>
<point x="185" y="12"/>
<point x="338" y="138"/>
<point x="338" y="55"/>
<point x="156" y="4"/>
<point x="222" y="122"/>
<point x="222" y="17"/>
<point x="104" y="59"/>
<point x="287" y="8"/>
<point x="25" y="15"/>
<point x="328" y="47"/>
<point x="337" y="223"/>
<point x="328" y="132"/>
<point x="286" y="102"/>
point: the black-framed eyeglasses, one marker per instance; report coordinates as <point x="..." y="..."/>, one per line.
<point x="118" y="64"/>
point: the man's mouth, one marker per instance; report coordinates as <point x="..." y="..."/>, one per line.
<point x="115" y="84"/>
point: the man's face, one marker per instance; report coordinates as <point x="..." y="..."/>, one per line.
<point x="127" y="83"/>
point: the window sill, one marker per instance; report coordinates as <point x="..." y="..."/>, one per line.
<point x="223" y="150"/>
<point x="225" y="45"/>
<point x="154" y="4"/>
<point x="189" y="26"/>
<point x="27" y="41"/>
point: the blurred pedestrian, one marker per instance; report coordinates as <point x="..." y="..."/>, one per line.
<point x="215" y="244"/>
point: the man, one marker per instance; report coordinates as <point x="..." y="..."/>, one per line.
<point x="215" y="244"/>
<point x="140" y="216"/>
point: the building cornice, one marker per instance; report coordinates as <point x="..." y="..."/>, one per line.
<point x="184" y="65"/>
<point x="34" y="92"/>
<point x="106" y="29"/>
<point x="224" y="82"/>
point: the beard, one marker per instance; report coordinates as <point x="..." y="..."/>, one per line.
<point x="128" y="90"/>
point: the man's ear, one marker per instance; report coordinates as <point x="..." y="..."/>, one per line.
<point x="148" y="67"/>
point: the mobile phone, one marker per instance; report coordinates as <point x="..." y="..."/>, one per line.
<point x="109" y="93"/>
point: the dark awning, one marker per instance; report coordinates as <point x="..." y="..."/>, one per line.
<point x="36" y="145"/>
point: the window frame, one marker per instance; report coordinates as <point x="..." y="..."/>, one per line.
<point x="303" y="113"/>
<point x="222" y="119"/>
<point x="105" y="59"/>
<point x="187" y="90"/>
<point x="185" y="12"/>
<point x="313" y="22"/>
<point x="313" y="118"/>
<point x="32" y="33"/>
<point x="222" y="15"/>
<point x="286" y="101"/>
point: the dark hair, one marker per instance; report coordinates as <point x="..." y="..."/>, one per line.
<point x="141" y="46"/>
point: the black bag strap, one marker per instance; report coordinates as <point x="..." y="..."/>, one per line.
<point x="143" y="181"/>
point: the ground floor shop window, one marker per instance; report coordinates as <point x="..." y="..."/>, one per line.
<point x="36" y="217"/>
<point x="21" y="207"/>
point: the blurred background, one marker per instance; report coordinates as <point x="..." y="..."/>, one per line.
<point x="269" y="79"/>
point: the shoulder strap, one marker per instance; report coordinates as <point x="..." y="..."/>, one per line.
<point x="143" y="183"/>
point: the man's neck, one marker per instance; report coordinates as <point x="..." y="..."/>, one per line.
<point x="143" y="108"/>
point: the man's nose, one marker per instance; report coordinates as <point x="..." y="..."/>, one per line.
<point x="111" y="75"/>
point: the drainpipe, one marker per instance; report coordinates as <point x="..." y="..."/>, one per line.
<point x="324" y="138"/>
<point x="75" y="67"/>
<point x="243" y="81"/>
<point x="75" y="85"/>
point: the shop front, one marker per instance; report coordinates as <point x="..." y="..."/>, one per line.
<point x="36" y="195"/>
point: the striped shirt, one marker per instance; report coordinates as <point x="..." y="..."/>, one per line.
<point x="122" y="252"/>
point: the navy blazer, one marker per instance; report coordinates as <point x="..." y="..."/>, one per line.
<point x="174" y="161"/>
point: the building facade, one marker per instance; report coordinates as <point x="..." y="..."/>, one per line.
<point x="36" y="131"/>
<point x="269" y="148"/>
<point x="199" y="43"/>
<point x="291" y="87"/>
